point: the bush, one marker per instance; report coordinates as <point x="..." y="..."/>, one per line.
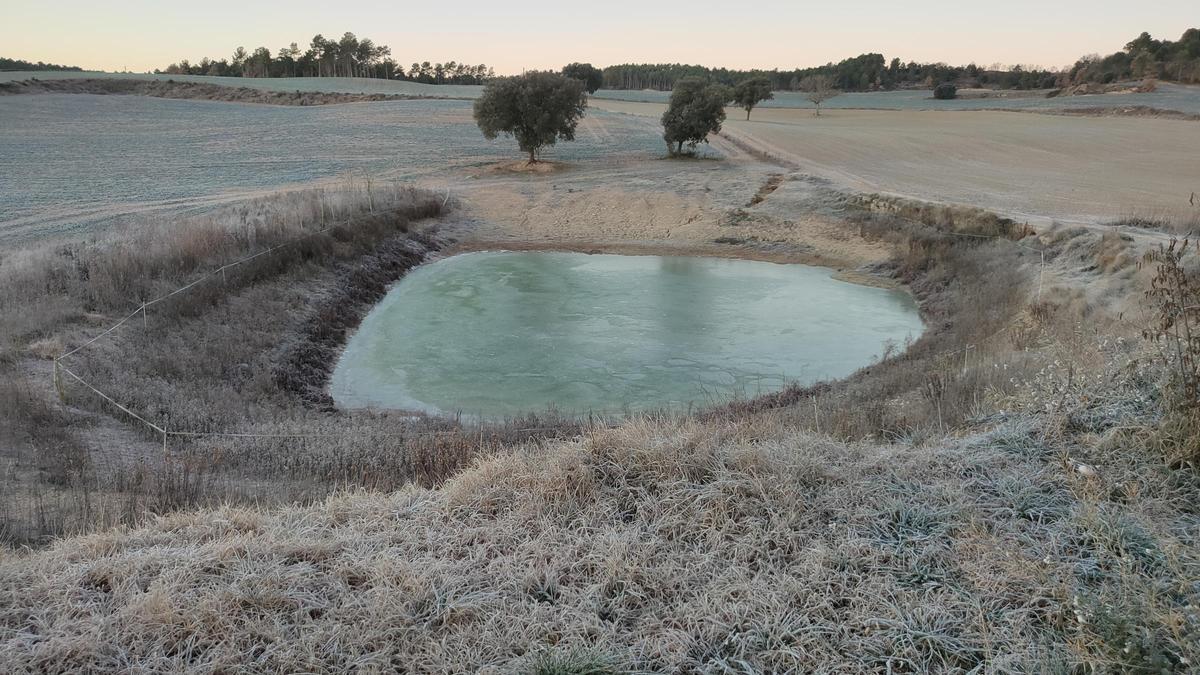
<point x="945" y="91"/>
<point x="1174" y="303"/>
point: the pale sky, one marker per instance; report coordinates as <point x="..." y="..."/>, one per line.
<point x="537" y="34"/>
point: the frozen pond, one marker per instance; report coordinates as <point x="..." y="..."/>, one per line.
<point x="501" y="333"/>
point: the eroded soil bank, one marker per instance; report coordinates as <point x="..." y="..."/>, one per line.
<point x="736" y="206"/>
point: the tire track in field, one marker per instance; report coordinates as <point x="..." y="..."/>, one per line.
<point x="597" y="131"/>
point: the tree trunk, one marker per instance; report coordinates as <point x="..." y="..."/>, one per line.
<point x="747" y="114"/>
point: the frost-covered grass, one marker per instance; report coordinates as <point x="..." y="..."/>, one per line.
<point x="654" y="547"/>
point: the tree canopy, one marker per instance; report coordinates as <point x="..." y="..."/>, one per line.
<point x="1177" y="61"/>
<point x="593" y="77"/>
<point x="860" y="73"/>
<point x="749" y="93"/>
<point x="536" y="108"/>
<point x="18" y="64"/>
<point x="348" y="56"/>
<point x="696" y="109"/>
<point x="1142" y="57"/>
<point x="351" y="56"/>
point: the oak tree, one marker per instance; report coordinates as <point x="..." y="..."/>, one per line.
<point x="696" y="109"/>
<point x="536" y="108"/>
<point x="749" y="93"/>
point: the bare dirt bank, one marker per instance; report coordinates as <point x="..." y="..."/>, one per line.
<point x="684" y="249"/>
<point x="191" y="90"/>
<point x="737" y="207"/>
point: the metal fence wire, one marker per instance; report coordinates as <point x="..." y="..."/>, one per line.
<point x="202" y="466"/>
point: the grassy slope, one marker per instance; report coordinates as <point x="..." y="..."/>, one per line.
<point x="748" y="547"/>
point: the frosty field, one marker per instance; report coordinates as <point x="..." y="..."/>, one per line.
<point x="68" y="162"/>
<point x="1168" y="97"/>
<point x="1039" y="168"/>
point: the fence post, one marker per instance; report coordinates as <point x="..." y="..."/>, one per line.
<point x="1041" y="276"/>
<point x="58" y="386"/>
<point x="145" y="322"/>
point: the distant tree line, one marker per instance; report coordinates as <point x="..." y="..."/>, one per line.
<point x="346" y="57"/>
<point x="1143" y="57"/>
<point x="862" y="73"/>
<point x="353" y="57"/>
<point x="18" y="64"/>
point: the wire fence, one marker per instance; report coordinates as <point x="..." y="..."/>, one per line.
<point x="202" y="466"/>
<point x="78" y="483"/>
<point x="98" y="480"/>
<point x="61" y="369"/>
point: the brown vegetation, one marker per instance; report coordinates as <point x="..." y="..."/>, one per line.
<point x="1174" y="297"/>
<point x="1110" y="111"/>
<point x="971" y="272"/>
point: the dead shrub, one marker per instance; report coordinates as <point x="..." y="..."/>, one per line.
<point x="1174" y="299"/>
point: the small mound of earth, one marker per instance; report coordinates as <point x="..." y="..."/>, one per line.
<point x="525" y="166"/>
